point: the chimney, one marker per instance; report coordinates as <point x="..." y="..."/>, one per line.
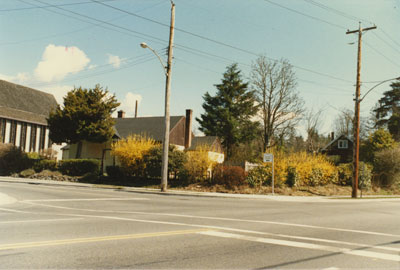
<point x="121" y="114"/>
<point x="188" y="129"/>
<point x="332" y="136"/>
<point x="136" y="108"/>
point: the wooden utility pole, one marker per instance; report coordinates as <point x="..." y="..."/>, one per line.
<point x="356" y="125"/>
<point x="164" y="170"/>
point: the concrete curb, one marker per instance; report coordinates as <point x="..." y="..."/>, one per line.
<point x="171" y="192"/>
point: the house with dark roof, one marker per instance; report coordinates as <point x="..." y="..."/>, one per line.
<point x="23" y="113"/>
<point x="341" y="147"/>
<point x="180" y="136"/>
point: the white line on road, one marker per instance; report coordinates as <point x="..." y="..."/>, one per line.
<point x="94" y="199"/>
<point x="224" y="219"/>
<point x="16" y="211"/>
<point x="363" y="253"/>
<point x="39" y="220"/>
<point x="230" y="229"/>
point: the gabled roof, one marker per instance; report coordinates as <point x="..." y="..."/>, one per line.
<point x="203" y="141"/>
<point x="25" y="104"/>
<point x="149" y="126"/>
<point x="341" y="137"/>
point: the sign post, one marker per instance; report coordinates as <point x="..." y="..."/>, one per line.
<point x="270" y="158"/>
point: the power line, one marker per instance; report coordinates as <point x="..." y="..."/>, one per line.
<point x="158" y="40"/>
<point x="381" y="54"/>
<point x="138" y="62"/>
<point x="177" y="29"/>
<point x="153" y="38"/>
<point x="336" y="11"/>
<point x="218" y="42"/>
<point x="388" y="36"/>
<point x="61" y="5"/>
<point x="69" y="32"/>
<point x="395" y="49"/>
<point x="306" y="15"/>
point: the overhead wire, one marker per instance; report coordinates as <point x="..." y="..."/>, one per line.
<point x="60" y="5"/>
<point x="306" y="15"/>
<point x="336" y="11"/>
<point x="216" y="41"/>
<point x="146" y="59"/>
<point x="158" y="40"/>
<point x="387" y="43"/>
<point x="135" y="33"/>
<point x="381" y="54"/>
<point x="69" y="32"/>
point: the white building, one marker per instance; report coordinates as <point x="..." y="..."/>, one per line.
<point x="23" y="113"/>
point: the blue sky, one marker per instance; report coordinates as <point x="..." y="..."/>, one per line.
<point x="82" y="43"/>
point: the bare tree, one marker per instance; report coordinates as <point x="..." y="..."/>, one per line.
<point x="274" y="83"/>
<point x="344" y="123"/>
<point x="313" y="121"/>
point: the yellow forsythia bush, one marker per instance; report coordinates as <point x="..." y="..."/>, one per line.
<point x="310" y="169"/>
<point x="198" y="162"/>
<point x="130" y="153"/>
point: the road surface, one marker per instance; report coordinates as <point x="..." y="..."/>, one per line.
<point x="46" y="226"/>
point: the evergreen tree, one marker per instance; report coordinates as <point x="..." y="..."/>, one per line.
<point x="388" y="111"/>
<point x="228" y="114"/>
<point x="86" y="115"/>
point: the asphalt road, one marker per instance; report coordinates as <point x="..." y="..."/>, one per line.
<point x="70" y="227"/>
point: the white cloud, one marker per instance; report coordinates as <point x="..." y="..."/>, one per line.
<point x="115" y="60"/>
<point x="20" y="78"/>
<point x="128" y="104"/>
<point x="58" y="61"/>
<point x="58" y="91"/>
<point x="92" y="67"/>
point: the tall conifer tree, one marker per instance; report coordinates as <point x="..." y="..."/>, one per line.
<point x="228" y="114"/>
<point x="388" y="111"/>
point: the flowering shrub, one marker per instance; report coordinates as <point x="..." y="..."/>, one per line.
<point x="295" y="169"/>
<point x="130" y="153"/>
<point x="259" y="176"/>
<point x="197" y="164"/>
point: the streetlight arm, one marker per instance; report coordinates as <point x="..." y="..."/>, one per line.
<point x="145" y="46"/>
<point x="398" y="78"/>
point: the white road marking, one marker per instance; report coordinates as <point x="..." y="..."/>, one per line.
<point x="362" y="253"/>
<point x="226" y="229"/>
<point x="39" y="220"/>
<point x="15" y="211"/>
<point x="225" y="219"/>
<point x="94" y="199"/>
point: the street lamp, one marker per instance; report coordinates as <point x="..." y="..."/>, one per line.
<point x="167" y="72"/>
<point x="357" y="135"/>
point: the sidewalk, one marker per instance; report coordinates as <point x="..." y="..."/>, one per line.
<point x="171" y="192"/>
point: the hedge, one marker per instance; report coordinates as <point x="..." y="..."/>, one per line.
<point x="79" y="167"/>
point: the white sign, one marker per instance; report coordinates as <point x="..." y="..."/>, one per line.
<point x="268" y="157"/>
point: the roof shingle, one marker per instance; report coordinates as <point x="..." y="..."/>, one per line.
<point x="26" y="104"/>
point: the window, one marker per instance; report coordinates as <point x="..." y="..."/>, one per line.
<point x="2" y="130"/>
<point x="13" y="132"/>
<point x="42" y="137"/>
<point x="32" y="147"/>
<point x="343" y="144"/>
<point x="23" y="136"/>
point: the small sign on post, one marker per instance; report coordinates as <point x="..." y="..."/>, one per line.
<point x="270" y="158"/>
